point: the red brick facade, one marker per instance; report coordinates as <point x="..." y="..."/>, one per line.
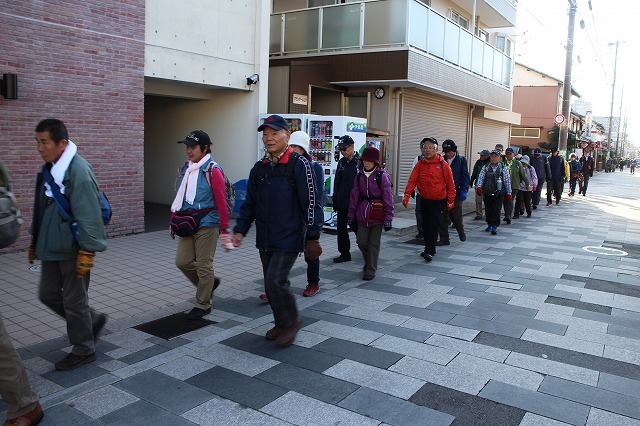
<point x="81" y="61"/>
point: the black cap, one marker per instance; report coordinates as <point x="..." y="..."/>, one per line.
<point x="554" y="149"/>
<point x="537" y="151"/>
<point x="496" y="152"/>
<point x="449" y="145"/>
<point x="197" y="137"/>
<point x="275" y="122"/>
<point x="345" y="141"/>
<point x="432" y="140"/>
<point x="509" y="151"/>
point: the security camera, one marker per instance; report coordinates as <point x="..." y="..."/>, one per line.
<point x="253" y="79"/>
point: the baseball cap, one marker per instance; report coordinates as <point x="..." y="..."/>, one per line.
<point x="449" y="145"/>
<point x="525" y="159"/>
<point x="275" y="122"/>
<point x="485" y="152"/>
<point x="508" y="150"/>
<point x="537" y="151"/>
<point x="554" y="149"/>
<point x="345" y="141"/>
<point x="300" y="139"/>
<point x="499" y="146"/>
<point x="196" y="137"/>
<point x="495" y="152"/>
<point x="432" y="140"/>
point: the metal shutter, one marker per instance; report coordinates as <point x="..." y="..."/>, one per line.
<point x="486" y="134"/>
<point x="426" y="115"/>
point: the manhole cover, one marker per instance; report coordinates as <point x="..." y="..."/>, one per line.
<point x="607" y="251"/>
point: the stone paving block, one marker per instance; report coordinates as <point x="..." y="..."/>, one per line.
<point x="623" y="321"/>
<point x="604" y="338"/>
<point x="143" y="354"/>
<point x="361" y="353"/>
<point x="578" y="345"/>
<point x="176" y="396"/>
<point x="469" y="311"/>
<point x="67" y="379"/>
<point x="374" y="315"/>
<point x="326" y="317"/>
<point x="64" y="415"/>
<point x="246" y="341"/>
<point x="536" y="402"/>
<point x="504" y="307"/>
<point x="481" y="295"/>
<point x="597" y="326"/>
<point x="310" y="383"/>
<point x="375" y="286"/>
<point x="465" y="407"/>
<point x="184" y="367"/>
<point x="422" y="313"/>
<point x="150" y="363"/>
<point x="592" y="396"/>
<point x="302" y="410"/>
<point x="347" y="300"/>
<point x="624" y="355"/>
<point x="443" y="329"/>
<point x="143" y="412"/>
<point x="619" y="384"/>
<point x="392" y="410"/>
<point x="233" y="359"/>
<point x="531" y="419"/>
<point x="605" y="418"/>
<point x="308" y="358"/>
<point x="130" y="339"/>
<point x="213" y="411"/>
<point x="480" y="283"/>
<point x="343" y="332"/>
<point x="102" y="401"/>
<point x="327" y="306"/>
<point x="493" y="326"/>
<point x="497" y="371"/>
<point x="553" y="368"/>
<point x="528" y="322"/>
<point x="469" y="348"/>
<point x="402" y="332"/>
<point x="379" y="379"/>
<point x="417" y="350"/>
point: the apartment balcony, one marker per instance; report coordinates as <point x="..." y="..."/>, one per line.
<point x="434" y="43"/>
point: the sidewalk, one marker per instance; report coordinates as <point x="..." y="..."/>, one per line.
<point x="537" y="325"/>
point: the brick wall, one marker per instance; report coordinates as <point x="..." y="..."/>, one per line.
<point x="81" y="61"/>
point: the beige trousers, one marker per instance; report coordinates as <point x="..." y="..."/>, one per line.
<point x="194" y="258"/>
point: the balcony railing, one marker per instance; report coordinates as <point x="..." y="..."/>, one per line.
<point x="383" y="24"/>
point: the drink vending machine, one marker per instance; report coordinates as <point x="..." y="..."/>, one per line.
<point x="324" y="132"/>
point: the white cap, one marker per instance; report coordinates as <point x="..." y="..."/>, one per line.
<point x="301" y="139"/>
<point x="525" y="160"/>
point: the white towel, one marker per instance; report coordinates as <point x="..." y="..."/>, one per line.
<point x="188" y="186"/>
<point x="60" y="167"/>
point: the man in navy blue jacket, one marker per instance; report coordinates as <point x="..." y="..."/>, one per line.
<point x="346" y="171"/>
<point x="460" y="169"/>
<point x="283" y="201"/>
<point x="557" y="166"/>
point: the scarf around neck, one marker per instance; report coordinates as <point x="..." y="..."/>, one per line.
<point x="188" y="186"/>
<point x="60" y="167"/>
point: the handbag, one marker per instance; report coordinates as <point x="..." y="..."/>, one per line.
<point x="377" y="211"/>
<point x="186" y="223"/>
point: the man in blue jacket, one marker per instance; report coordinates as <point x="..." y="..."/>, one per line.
<point x="543" y="172"/>
<point x="346" y="171"/>
<point x="282" y="199"/>
<point x="557" y="166"/>
<point x="460" y="169"/>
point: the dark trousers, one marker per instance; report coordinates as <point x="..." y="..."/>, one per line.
<point x="419" y="214"/>
<point x="344" y="243"/>
<point x="572" y="185"/>
<point x="368" y="239"/>
<point x="454" y="216"/>
<point x="583" y="186"/>
<point x="432" y="214"/>
<point x="558" y="185"/>
<point x="508" y="204"/>
<point x="523" y="202"/>
<point x="313" y="270"/>
<point x="492" y="207"/>
<point x="276" y="267"/>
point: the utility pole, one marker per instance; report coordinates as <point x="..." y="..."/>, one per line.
<point x="619" y="121"/>
<point x="566" y="92"/>
<point x="613" y="94"/>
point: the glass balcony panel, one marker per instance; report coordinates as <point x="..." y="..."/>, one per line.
<point x="435" y="35"/>
<point x="418" y="19"/>
<point x="487" y="66"/>
<point x="452" y="42"/>
<point x="506" y="71"/>
<point x="497" y="65"/>
<point x="341" y="26"/>
<point x="477" y="55"/>
<point x="385" y="22"/>
<point x="466" y="44"/>
<point x="274" y="33"/>
<point x="301" y="30"/>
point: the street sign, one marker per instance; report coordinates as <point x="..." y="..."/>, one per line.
<point x="558" y="119"/>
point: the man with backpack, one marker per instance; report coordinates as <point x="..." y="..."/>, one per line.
<point x="67" y="255"/>
<point x="282" y="199"/>
<point x="516" y="171"/>
<point x="23" y="406"/>
<point x="460" y="170"/>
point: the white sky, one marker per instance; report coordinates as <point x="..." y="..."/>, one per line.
<point x="541" y="34"/>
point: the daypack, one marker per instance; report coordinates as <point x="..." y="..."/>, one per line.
<point x="65" y="208"/>
<point x="290" y="174"/>
<point x="10" y="217"/>
<point x="230" y="190"/>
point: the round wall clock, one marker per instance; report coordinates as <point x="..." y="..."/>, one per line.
<point x="378" y="93"/>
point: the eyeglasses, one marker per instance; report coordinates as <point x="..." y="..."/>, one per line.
<point x="432" y="147"/>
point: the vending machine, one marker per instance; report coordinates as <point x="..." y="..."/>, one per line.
<point x="324" y="133"/>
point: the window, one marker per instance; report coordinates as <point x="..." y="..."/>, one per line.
<point x="459" y="19"/>
<point x="482" y="34"/>
<point x="525" y="132"/>
<point x="504" y="44"/>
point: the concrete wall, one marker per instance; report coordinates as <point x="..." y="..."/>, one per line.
<point x="524" y="76"/>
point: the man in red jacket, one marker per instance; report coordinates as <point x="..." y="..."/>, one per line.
<point x="434" y="179"/>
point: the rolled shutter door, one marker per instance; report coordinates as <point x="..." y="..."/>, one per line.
<point x="486" y="134"/>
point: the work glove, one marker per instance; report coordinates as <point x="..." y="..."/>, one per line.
<point x="463" y="195"/>
<point x="479" y="191"/>
<point x="509" y="197"/>
<point x="353" y="225"/>
<point x="387" y="226"/>
<point x="313" y="250"/>
<point x="405" y="200"/>
<point x="450" y="206"/>
<point x="84" y="263"/>
<point x="225" y="241"/>
<point x="32" y="254"/>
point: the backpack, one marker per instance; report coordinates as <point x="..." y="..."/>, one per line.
<point x="230" y="190"/>
<point x="10" y="217"/>
<point x="65" y="208"/>
<point x="290" y="175"/>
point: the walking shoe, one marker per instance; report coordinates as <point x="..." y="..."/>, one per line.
<point x="528" y="214"/>
<point x="584" y="195"/>
<point x="463" y="237"/>
<point x="311" y="290"/>
<point x="288" y="335"/>
<point x="197" y="313"/>
<point x="216" y="284"/>
<point x="33" y="417"/>
<point x="494" y="230"/>
<point x="534" y="207"/>
<point x="508" y="222"/>
<point x="419" y="235"/>
<point x="488" y="228"/>
<point x="504" y="219"/>
<point x="549" y="203"/>
<point x="426" y="256"/>
<point x="342" y="258"/>
<point x="477" y="218"/>
<point x="367" y="277"/>
<point x="521" y="212"/>
<point x="72" y="361"/>
<point x="516" y="217"/>
<point x="98" y="326"/>
<point x="442" y="243"/>
<point x="557" y="201"/>
<point x="263" y="296"/>
<point x="273" y="333"/>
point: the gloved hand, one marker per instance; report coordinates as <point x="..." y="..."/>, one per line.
<point x="225" y="241"/>
<point x="405" y="200"/>
<point x="479" y="191"/>
<point x="509" y="197"/>
<point x="387" y="226"/>
<point x="450" y="206"/>
<point x="313" y="250"/>
<point x="84" y="263"/>
<point x="32" y="254"/>
<point x="463" y="195"/>
<point x="533" y="188"/>
<point x="353" y="225"/>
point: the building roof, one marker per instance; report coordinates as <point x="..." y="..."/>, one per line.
<point x="543" y="74"/>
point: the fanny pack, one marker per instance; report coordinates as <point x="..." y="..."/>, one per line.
<point x="186" y="223"/>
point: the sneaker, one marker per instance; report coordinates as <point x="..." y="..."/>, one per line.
<point x="488" y="228"/>
<point x="504" y="219"/>
<point x="197" y="313"/>
<point x="549" y="203"/>
<point x="72" y="361"/>
<point x="463" y="237"/>
<point x="263" y="296"/>
<point x="367" y="277"/>
<point x="557" y="201"/>
<point x="419" y="235"/>
<point x="342" y="258"/>
<point x="288" y="335"/>
<point x="98" y="326"/>
<point x="426" y="256"/>
<point x="508" y="221"/>
<point x="494" y="230"/>
<point x="33" y="417"/>
<point x="534" y="207"/>
<point x="311" y="290"/>
<point x="442" y="243"/>
<point x="477" y="218"/>
<point x="528" y="214"/>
